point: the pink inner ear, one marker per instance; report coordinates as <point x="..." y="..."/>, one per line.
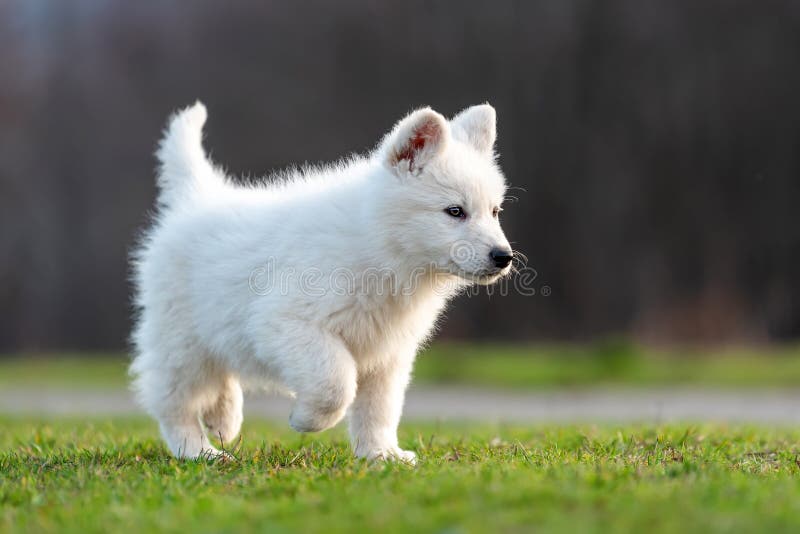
<point x="416" y="143"/>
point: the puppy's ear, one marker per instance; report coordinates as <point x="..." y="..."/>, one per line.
<point x="415" y="141"/>
<point x="477" y="126"/>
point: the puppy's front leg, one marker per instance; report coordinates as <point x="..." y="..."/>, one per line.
<point x="321" y="371"/>
<point x="375" y="413"/>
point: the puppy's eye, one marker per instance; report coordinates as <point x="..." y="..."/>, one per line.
<point x="496" y="212"/>
<point x="456" y="211"/>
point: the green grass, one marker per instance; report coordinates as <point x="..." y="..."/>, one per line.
<point x="100" y="476"/>
<point x="68" y="370"/>
<point x="610" y="363"/>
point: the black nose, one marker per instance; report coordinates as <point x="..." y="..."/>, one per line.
<point x="501" y="257"/>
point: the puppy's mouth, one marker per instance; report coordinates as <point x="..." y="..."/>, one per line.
<point x="485" y="277"/>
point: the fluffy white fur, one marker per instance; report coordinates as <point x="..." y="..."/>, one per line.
<point x="205" y="329"/>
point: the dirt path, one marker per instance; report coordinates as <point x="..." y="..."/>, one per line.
<point x="456" y="403"/>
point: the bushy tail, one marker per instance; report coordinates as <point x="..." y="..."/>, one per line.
<point x="184" y="168"/>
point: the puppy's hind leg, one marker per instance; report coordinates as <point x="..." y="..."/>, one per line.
<point x="176" y="401"/>
<point x="223" y="419"/>
<point x="185" y="436"/>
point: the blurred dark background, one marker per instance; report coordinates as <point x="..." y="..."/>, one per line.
<point x="655" y="145"/>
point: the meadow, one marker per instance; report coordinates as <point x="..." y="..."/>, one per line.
<point x="88" y="476"/>
<point x="607" y="363"/>
<point x="73" y="474"/>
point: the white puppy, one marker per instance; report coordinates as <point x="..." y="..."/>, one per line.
<point x="324" y="282"/>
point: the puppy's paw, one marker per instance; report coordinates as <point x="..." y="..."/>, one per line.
<point x="216" y="455"/>
<point x="392" y="454"/>
<point x="303" y="419"/>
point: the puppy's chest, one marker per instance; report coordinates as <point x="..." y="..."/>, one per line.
<point x="375" y="329"/>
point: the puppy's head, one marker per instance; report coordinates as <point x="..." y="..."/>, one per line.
<point x="447" y="192"/>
